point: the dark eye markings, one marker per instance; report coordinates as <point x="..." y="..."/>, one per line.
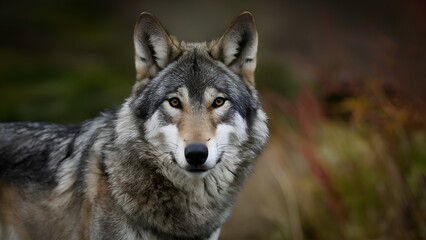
<point x="218" y="102"/>
<point x="175" y="102"/>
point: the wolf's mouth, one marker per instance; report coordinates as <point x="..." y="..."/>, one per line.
<point x="197" y="169"/>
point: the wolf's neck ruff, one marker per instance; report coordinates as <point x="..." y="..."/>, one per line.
<point x="167" y="165"/>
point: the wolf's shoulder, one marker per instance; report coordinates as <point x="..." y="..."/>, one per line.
<point x="36" y="126"/>
<point x="37" y="132"/>
<point x="28" y="149"/>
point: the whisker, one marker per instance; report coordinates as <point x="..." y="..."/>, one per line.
<point x="227" y="168"/>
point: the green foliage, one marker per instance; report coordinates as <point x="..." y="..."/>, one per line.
<point x="274" y="76"/>
<point x="66" y="64"/>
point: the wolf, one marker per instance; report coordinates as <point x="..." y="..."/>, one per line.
<point x="167" y="164"/>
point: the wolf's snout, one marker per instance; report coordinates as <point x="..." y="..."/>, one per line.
<point x="196" y="154"/>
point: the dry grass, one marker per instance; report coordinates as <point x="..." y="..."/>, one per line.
<point x="325" y="178"/>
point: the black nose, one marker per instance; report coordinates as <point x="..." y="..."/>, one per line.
<point x="196" y="154"/>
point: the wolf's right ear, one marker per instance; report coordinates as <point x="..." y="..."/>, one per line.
<point x="154" y="48"/>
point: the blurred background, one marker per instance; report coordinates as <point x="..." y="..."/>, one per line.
<point x="343" y="84"/>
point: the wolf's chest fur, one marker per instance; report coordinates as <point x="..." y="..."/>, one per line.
<point x="168" y="164"/>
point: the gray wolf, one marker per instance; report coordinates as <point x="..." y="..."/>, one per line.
<point x="167" y="164"/>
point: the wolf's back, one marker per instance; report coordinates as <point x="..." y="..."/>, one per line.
<point x="31" y="152"/>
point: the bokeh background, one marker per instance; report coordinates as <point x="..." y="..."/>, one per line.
<point x="343" y="84"/>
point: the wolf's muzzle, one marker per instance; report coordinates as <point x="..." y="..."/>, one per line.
<point x="196" y="154"/>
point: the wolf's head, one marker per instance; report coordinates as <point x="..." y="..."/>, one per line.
<point x="195" y="103"/>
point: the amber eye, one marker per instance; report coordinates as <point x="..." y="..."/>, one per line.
<point x="218" y="102"/>
<point x="175" y="102"/>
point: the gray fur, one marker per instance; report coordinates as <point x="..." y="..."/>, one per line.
<point x="106" y="179"/>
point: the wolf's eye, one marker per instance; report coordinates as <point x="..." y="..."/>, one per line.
<point x="175" y="102"/>
<point x="218" y="102"/>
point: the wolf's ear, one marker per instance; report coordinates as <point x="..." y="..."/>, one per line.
<point x="237" y="48"/>
<point x="154" y="48"/>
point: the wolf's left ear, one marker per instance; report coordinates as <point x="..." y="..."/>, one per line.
<point x="237" y="48"/>
<point x="154" y="48"/>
